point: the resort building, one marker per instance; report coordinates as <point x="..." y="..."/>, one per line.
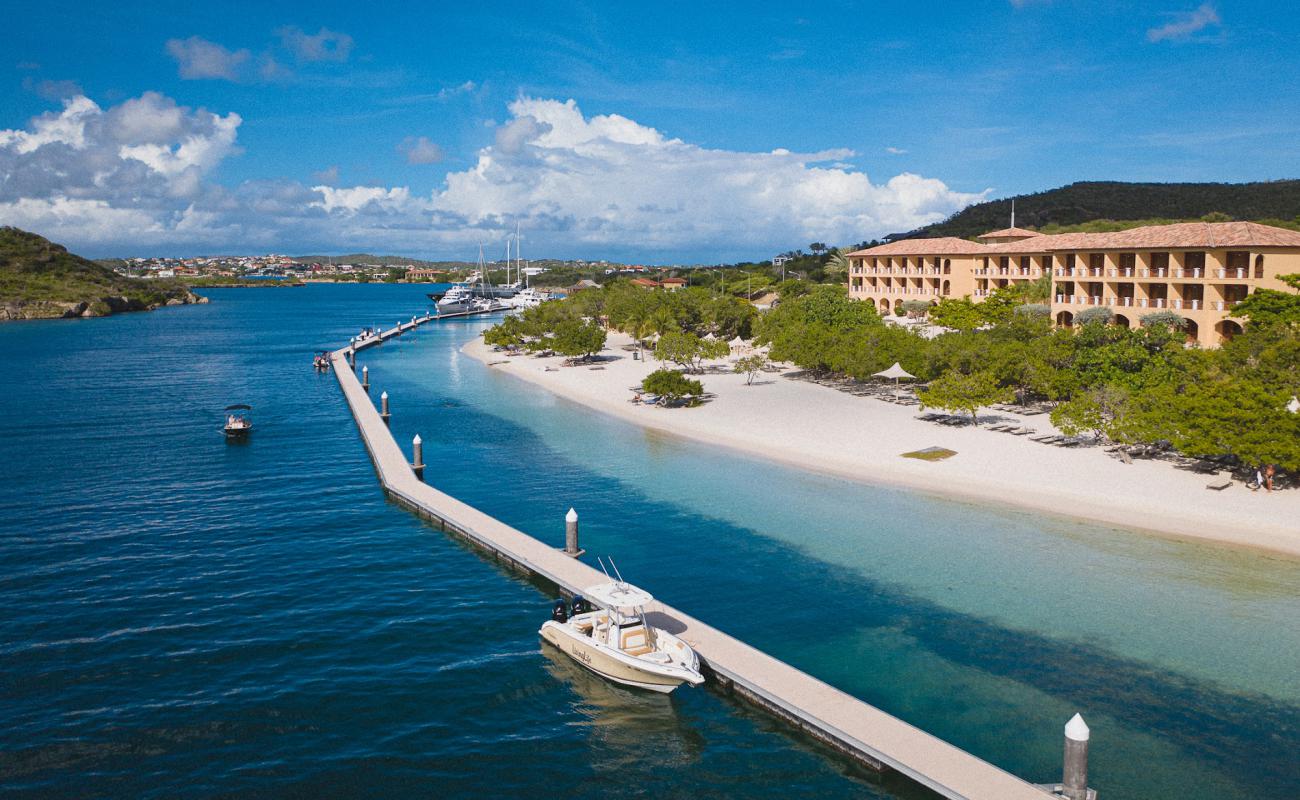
<point x="1198" y="270"/>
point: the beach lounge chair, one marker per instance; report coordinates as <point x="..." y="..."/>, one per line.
<point x="1052" y="439"/>
<point x="1022" y="431"/>
<point x="1218" y="486"/>
<point x="1072" y="441"/>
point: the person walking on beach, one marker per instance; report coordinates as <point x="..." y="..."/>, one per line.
<point x="1269" y="472"/>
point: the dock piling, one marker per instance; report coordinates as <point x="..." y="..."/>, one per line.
<point x="417" y="465"/>
<point x="571" y="535"/>
<point x="1074" y="782"/>
<point x="352" y="358"/>
<point x="365" y="378"/>
<point x="383" y="408"/>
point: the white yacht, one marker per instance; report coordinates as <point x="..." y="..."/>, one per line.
<point x="614" y="640"/>
<point x="527" y="298"/>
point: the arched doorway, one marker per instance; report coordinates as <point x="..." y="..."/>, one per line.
<point x="947" y="287"/>
<point x="1192" y="330"/>
<point x="1227" y="330"/>
<point x="884" y="306"/>
<point x="1065" y="319"/>
<point x="1259" y="265"/>
<point x="947" y="267"/>
<point x="898" y="306"/>
<point x="1122" y="321"/>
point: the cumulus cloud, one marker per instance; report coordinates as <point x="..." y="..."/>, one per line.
<point x="896" y="151"/>
<point x="607" y="180"/>
<point x="325" y="45"/>
<point x="138" y="176"/>
<point x="419" y="150"/>
<point x="1186" y="24"/>
<point x="199" y="58"/>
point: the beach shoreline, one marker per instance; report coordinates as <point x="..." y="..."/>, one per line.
<point x="816" y="428"/>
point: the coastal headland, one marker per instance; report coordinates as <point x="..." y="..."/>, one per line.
<point x="818" y="428"/>
<point x="42" y="280"/>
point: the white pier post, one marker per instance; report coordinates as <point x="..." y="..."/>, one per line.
<point x="417" y="447"/>
<point x="383" y="408"/>
<point x="352" y="358"/>
<point x="571" y="534"/>
<point x="365" y="378"/>
<point x="1074" y="783"/>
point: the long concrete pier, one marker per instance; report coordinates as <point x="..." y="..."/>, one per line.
<point x="845" y="723"/>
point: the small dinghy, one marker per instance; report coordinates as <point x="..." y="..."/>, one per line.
<point x="321" y="361"/>
<point x="614" y="641"/>
<point x="238" y="425"/>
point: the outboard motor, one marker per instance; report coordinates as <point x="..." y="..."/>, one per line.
<point x="558" y="612"/>
<point x="580" y="605"/>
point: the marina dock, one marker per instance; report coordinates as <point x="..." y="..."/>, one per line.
<point x="860" y="731"/>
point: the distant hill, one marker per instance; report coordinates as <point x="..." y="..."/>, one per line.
<point x="42" y="280"/>
<point x="1089" y="201"/>
<point x="386" y="261"/>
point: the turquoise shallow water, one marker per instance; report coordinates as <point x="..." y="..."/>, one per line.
<point x="185" y="617"/>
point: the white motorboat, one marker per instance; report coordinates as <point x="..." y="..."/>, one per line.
<point x="614" y="640"/>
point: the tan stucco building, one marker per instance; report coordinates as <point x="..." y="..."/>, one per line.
<point x="1198" y="270"/>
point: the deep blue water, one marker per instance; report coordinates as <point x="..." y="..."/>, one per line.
<point x="181" y="616"/>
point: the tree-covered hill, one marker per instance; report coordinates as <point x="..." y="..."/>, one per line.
<point x="1088" y="201"/>
<point x="42" y="280"/>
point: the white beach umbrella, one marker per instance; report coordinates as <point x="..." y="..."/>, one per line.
<point x="1294" y="405"/>
<point x="894" y="372"/>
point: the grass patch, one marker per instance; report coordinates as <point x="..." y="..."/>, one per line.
<point x="931" y="454"/>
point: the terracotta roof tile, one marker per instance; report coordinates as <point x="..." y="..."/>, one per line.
<point x="1178" y="236"/>
<point x="942" y="246"/>
<point x="1008" y="232"/>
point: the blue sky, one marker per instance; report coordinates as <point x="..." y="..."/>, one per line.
<point x="697" y="132"/>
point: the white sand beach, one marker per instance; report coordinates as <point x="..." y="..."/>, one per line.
<point x="820" y="428"/>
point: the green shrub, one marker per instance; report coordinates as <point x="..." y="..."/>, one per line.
<point x="672" y="386"/>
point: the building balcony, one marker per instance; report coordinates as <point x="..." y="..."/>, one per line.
<point x="1195" y="272"/>
<point x="1189" y="305"/>
<point x="1120" y="272"/>
<point x="1223" y="305"/>
<point x="1239" y="272"/>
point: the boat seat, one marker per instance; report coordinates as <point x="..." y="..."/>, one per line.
<point x="634" y="642"/>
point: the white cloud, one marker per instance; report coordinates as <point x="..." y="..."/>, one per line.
<point x="138" y="176"/>
<point x="199" y="58"/>
<point x="607" y="180"/>
<point x="896" y="151"/>
<point x="452" y="91"/>
<point x="326" y="45"/>
<point x="1186" y="24"/>
<point x="419" y="150"/>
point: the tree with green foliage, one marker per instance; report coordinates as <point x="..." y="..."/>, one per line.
<point x="672" y="387"/>
<point x="1095" y="314"/>
<point x="1269" y="307"/>
<point x="576" y="337"/>
<point x="1105" y="411"/>
<point x="957" y="313"/>
<point x="1163" y="319"/>
<point x="957" y="391"/>
<point x="915" y="308"/>
<point x="750" y="366"/>
<point x="689" y="351"/>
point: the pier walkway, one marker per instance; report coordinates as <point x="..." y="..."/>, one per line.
<point x="843" y="722"/>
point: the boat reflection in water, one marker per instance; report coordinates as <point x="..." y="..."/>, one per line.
<point x="630" y="727"/>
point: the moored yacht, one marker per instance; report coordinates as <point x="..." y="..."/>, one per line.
<point x="614" y="640"/>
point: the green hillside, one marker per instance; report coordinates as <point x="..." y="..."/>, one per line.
<point x="42" y="280"/>
<point x="1100" y="203"/>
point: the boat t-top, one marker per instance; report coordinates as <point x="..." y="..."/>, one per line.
<point x="238" y="424"/>
<point x="614" y="640"/>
